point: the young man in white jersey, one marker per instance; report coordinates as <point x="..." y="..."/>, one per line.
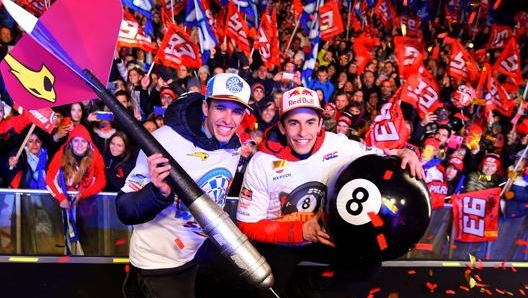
<point x="285" y="181"/>
<point x="199" y="133"/>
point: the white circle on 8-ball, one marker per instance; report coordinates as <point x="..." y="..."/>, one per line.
<point x="356" y="199"/>
<point x="307" y="203"/>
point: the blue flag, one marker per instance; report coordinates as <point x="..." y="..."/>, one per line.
<point x="195" y="17"/>
<point x="314" y="37"/>
<point x="144" y="7"/>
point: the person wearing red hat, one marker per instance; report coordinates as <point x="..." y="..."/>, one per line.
<point x="488" y="175"/>
<point x="454" y="175"/>
<point x="343" y="125"/>
<point x="329" y="112"/>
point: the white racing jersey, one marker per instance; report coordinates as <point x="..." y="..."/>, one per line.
<point x="172" y="237"/>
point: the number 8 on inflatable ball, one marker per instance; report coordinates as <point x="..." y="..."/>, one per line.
<point x="375" y="211"/>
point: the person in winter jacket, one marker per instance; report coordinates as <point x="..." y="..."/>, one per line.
<point x="167" y="243"/>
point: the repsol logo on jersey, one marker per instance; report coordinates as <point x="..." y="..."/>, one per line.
<point x="329" y="156"/>
<point x="281" y="177"/>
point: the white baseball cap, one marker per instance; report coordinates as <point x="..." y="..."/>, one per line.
<point x="299" y="97"/>
<point x="228" y="86"/>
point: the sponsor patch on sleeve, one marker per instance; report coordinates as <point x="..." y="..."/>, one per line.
<point x="136" y="182"/>
<point x="246" y="193"/>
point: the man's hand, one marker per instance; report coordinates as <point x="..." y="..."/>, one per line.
<point x="313" y="232"/>
<point x="158" y="171"/>
<point x="409" y="158"/>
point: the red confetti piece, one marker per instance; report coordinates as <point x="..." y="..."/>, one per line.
<point x="480" y="265"/>
<point x="487" y="291"/>
<point x="521" y="242"/>
<point x="472" y="17"/>
<point x="468" y="271"/>
<point x="382" y="242"/>
<point x="127" y="268"/>
<point x="513" y="269"/>
<point x="450" y="292"/>
<point x="499" y="291"/>
<point x="376" y="220"/>
<point x="120" y="242"/>
<point x="478" y="278"/>
<point x="179" y="243"/>
<point x="424" y="246"/>
<point x="328" y="273"/>
<point x="411" y="272"/>
<point x="522" y="292"/>
<point x="496" y="266"/>
<point x="464" y="288"/>
<point x="374" y="291"/>
<point x="431" y="286"/>
<point x="429" y="237"/>
<point x="63" y="259"/>
<point x="387" y="175"/>
<point x="497" y="4"/>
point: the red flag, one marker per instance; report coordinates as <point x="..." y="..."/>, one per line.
<point x="177" y="48"/>
<point x="475" y="215"/>
<point x="330" y="23"/>
<point x="493" y="95"/>
<point x="521" y="23"/>
<point x="267" y="40"/>
<point x="388" y="130"/>
<point x="409" y="55"/>
<point x="412" y="25"/>
<point x="297" y="8"/>
<point x="422" y="92"/>
<point x="386" y="12"/>
<point x="363" y="45"/>
<point x="509" y="65"/>
<point x="167" y="11"/>
<point x="44" y="118"/>
<point x="131" y="35"/>
<point x="500" y="34"/>
<point x="237" y="28"/>
<point x="461" y="66"/>
<point x="35" y="7"/>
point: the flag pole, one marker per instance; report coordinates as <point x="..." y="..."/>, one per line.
<point x="515" y="169"/>
<point x="172" y="11"/>
<point x="348" y="19"/>
<point x="150" y="68"/>
<point x="26" y="139"/>
<point x="292" y="35"/>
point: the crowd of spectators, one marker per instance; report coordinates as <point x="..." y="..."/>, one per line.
<point x="444" y="138"/>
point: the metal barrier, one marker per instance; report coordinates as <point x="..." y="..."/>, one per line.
<point x="31" y="224"/>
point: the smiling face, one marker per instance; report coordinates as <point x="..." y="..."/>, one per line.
<point x="222" y="118"/>
<point x="300" y="127"/>
<point x="117" y="146"/>
<point x="79" y="146"/>
<point x="76" y="112"/>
